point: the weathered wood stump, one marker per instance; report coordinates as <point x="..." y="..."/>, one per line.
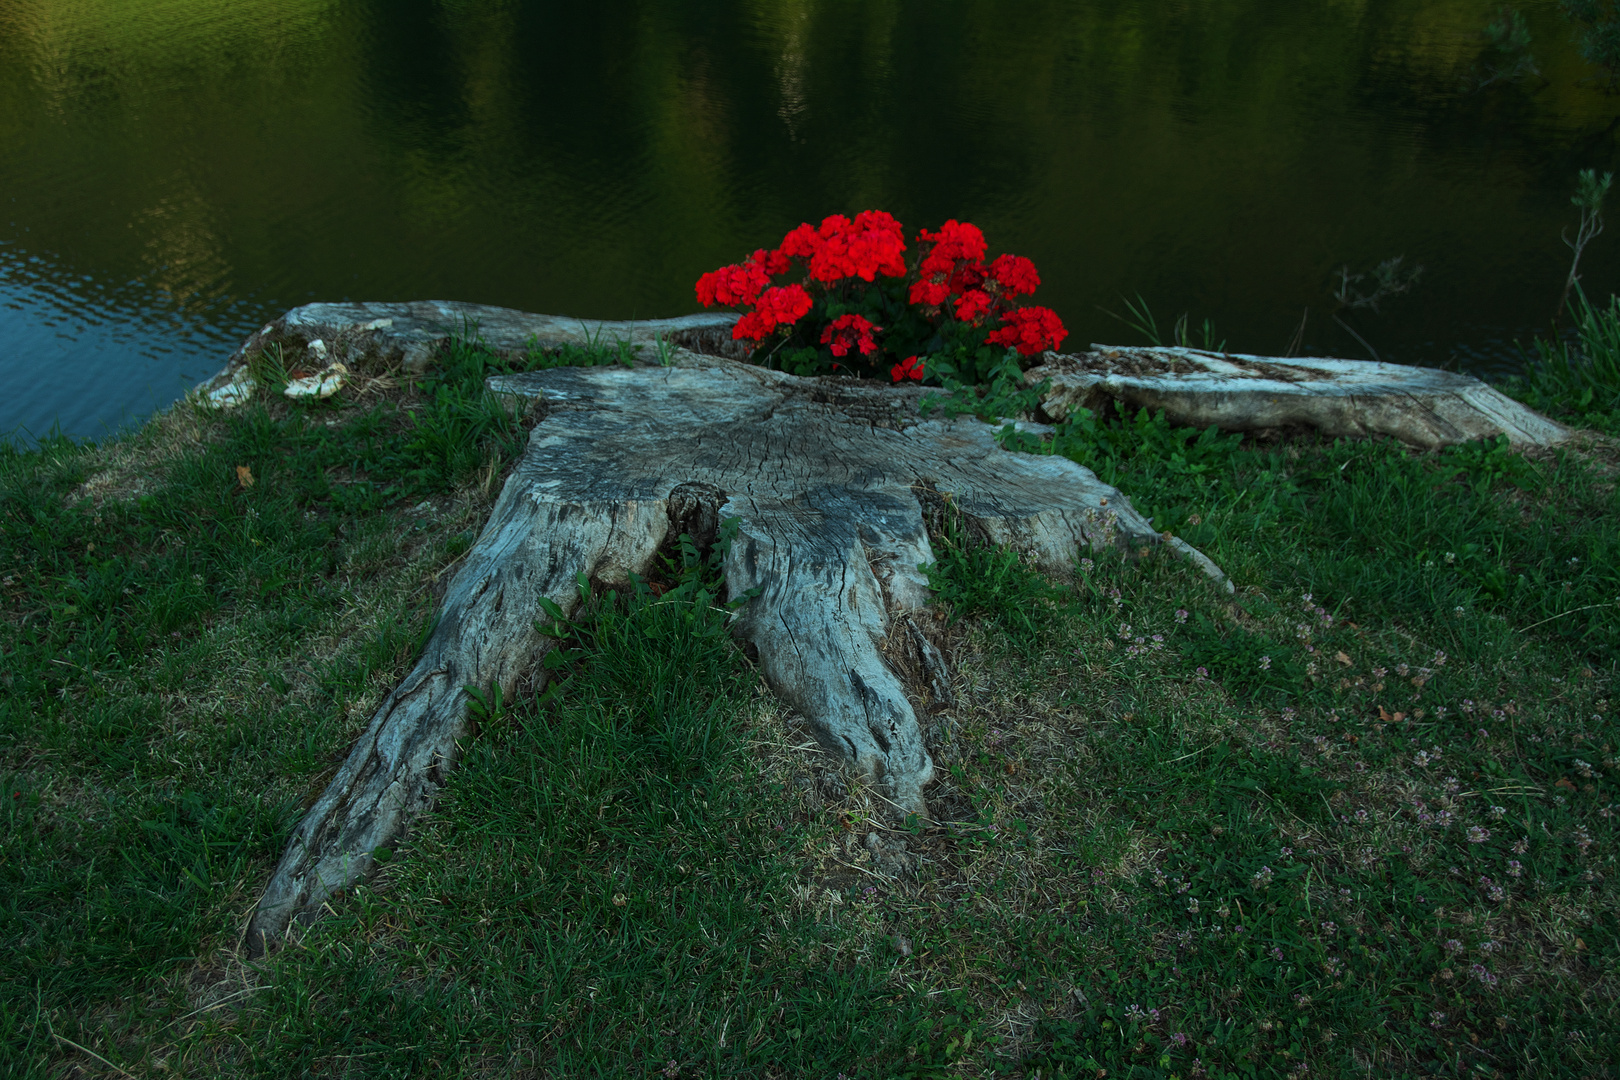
<point x="828" y="479"/>
<point x="1420" y="406"/>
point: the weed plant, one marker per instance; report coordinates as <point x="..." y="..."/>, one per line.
<point x="592" y="352"/>
<point x="1578" y="382"/>
<point x="1142" y="321"/>
<point x="1355" y="820"/>
<point x="1597" y="34"/>
<point x="1506" y="55"/>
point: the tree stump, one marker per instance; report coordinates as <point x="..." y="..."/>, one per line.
<point x="828" y="479"/>
<point x="1423" y="407"/>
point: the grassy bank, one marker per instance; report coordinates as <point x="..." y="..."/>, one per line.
<point x="1357" y="821"/>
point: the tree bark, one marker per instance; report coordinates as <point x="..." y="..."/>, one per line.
<point x="828" y="478"/>
<point x="1424" y="407"/>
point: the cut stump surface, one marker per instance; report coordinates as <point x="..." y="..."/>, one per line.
<point x="410" y="335"/>
<point x="1423" y="407"/>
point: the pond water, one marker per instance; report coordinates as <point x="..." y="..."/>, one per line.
<point x="175" y="172"/>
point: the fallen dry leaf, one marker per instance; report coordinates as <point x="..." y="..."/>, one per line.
<point x="1342" y="658"/>
<point x="244" y="476"/>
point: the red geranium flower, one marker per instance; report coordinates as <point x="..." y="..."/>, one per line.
<point x="850" y="331"/>
<point x="784" y="305"/>
<point x="1015" y="274"/>
<point x="909" y="367"/>
<point x="787" y="303"/>
<point x="872" y="244"/>
<point x="753" y="326"/>
<point x="967" y="276"/>
<point x="931" y="293"/>
<point x="732" y="285"/>
<point x="773" y="262"/>
<point x="877" y="245"/>
<point x="956" y="240"/>
<point x="1029" y="330"/>
<point x="973" y="304"/>
<point x="951" y="266"/>
<point x="801" y="243"/>
<point x="952" y="283"/>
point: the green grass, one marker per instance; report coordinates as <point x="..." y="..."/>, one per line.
<point x="194" y="621"/>
<point x="1423" y="645"/>
<point x="1356" y="819"/>
<point x="606" y="891"/>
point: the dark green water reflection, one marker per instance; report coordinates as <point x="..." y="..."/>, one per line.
<point x="173" y="172"/>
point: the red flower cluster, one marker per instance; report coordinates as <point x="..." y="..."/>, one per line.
<point x="953" y="268"/>
<point x="1029" y="330"/>
<point x="872" y="244"/>
<point x="973" y="304"/>
<point x="909" y="368"/>
<point x="782" y="306"/>
<point x="742" y="283"/>
<point x="952" y="280"/>
<point x="775" y="262"/>
<point x="952" y="265"/>
<point x="847" y="332"/>
<point x="1015" y="274"/>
